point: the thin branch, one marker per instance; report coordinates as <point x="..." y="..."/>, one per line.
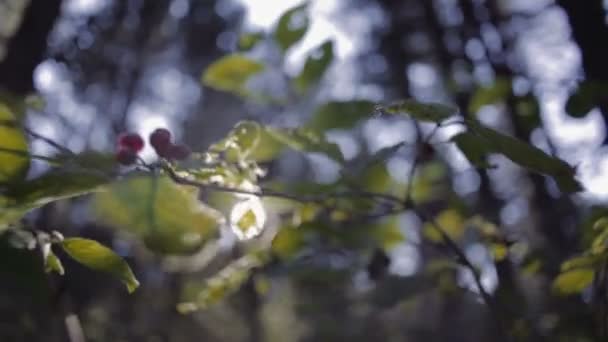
<point x="266" y="192"/>
<point x="464" y="261"/>
<point x="28" y="155"/>
<point x="49" y="141"/>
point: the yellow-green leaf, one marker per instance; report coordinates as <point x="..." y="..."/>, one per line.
<point x="168" y="217"/>
<point x="96" y="256"/>
<point x="14" y="155"/>
<point x="52" y="262"/>
<point x="573" y="281"/>
<point x="224" y="283"/>
<point x="231" y="73"/>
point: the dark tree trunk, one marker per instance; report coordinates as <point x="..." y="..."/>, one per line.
<point x="589" y="29"/>
<point x="28" y="46"/>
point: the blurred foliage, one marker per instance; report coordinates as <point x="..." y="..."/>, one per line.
<point x="278" y="219"/>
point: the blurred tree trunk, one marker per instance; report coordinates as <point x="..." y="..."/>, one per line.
<point x="589" y="29"/>
<point x="28" y="46"/>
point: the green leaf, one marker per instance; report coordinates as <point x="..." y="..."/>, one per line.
<point x="388" y="232"/>
<point x="573" y="281"/>
<point x="305" y="140"/>
<point x="52" y="262"/>
<point x="527" y="156"/>
<point x="98" y="257"/>
<point x="340" y="114"/>
<point x="231" y="73"/>
<point x="14" y="159"/>
<point x="89" y="161"/>
<point x="52" y="186"/>
<point x="316" y="64"/>
<point x="589" y="95"/>
<point x="248" y="41"/>
<point x="288" y="242"/>
<point x="471" y="147"/>
<point x="224" y="283"/>
<point x="292" y="26"/>
<point x="491" y="94"/>
<point x="423" y="111"/>
<point x="55" y="185"/>
<point x="168" y="217"/>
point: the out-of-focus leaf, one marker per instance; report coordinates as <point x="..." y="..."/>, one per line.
<point x="247" y="218"/>
<point x="305" y="140"/>
<point x="573" y="281"/>
<point x="168" y="217"/>
<point x="96" y="256"/>
<point x="51" y="261"/>
<point x="292" y="26"/>
<point x="14" y="159"/>
<point x="491" y="94"/>
<point x="423" y="111"/>
<point x="231" y="73"/>
<point x="251" y="141"/>
<point x="88" y="160"/>
<point x="288" y="242"/>
<point x="340" y="114"/>
<point x="224" y="283"/>
<point x="523" y="154"/>
<point x="316" y="64"/>
<point x="475" y="152"/>
<point x="588" y="95"/>
<point x="499" y="251"/>
<point x="583" y="261"/>
<point x="450" y="221"/>
<point x="54" y="185"/>
<point x="388" y="232"/>
<point x="248" y="41"/>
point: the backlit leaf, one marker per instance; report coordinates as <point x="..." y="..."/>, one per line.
<point x="231" y="73"/>
<point x="168" y="217"/>
<point x="222" y="284"/>
<point x="14" y="159"/>
<point x="573" y="281"/>
<point x="94" y="255"/>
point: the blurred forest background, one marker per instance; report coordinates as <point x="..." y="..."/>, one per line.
<point x="535" y="69"/>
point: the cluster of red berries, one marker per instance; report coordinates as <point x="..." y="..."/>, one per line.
<point x="130" y="144"/>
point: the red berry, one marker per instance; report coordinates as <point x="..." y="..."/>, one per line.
<point x="126" y="156"/>
<point x="132" y="141"/>
<point x="178" y="152"/>
<point x="160" y="139"/>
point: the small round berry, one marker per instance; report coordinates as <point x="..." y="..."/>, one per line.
<point x="126" y="156"/>
<point x="160" y="139"/>
<point x="132" y="141"/>
<point x="178" y="152"/>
